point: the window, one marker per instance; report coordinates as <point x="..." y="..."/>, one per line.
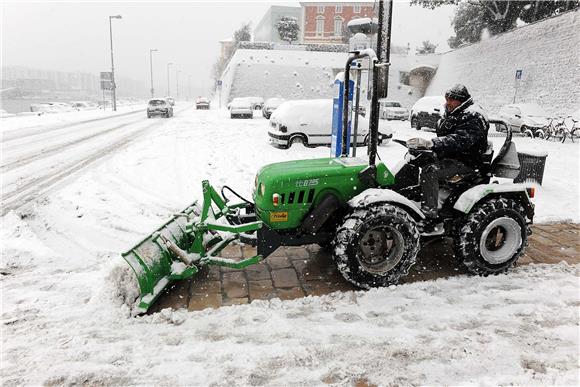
<point x="320" y="26"/>
<point x="337" y="26"/>
<point x="338" y="9"/>
<point x="357" y="9"/>
<point x="320" y="9"/>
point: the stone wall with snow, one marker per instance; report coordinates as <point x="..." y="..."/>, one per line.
<point x="306" y="75"/>
<point x="281" y="73"/>
<point x="547" y="52"/>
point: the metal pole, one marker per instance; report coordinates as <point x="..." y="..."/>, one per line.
<point x="374" y="124"/>
<point x="168" y="84"/>
<point x="177" y="84"/>
<point x="356" y="106"/>
<point x="113" y="85"/>
<point x="151" y="64"/>
<point x="189" y="87"/>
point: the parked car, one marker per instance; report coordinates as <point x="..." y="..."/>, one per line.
<point x="309" y="122"/>
<point x="171" y="100"/>
<point x="392" y="110"/>
<point x="159" y="107"/>
<point x="257" y="102"/>
<point x="4" y="114"/>
<point x="270" y="105"/>
<point x="202" y="103"/>
<point x="427" y="111"/>
<point x="82" y="105"/>
<point x="241" y="107"/>
<point x="521" y="117"/>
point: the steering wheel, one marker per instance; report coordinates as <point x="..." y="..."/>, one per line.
<point x="421" y="156"/>
<point x="401" y="142"/>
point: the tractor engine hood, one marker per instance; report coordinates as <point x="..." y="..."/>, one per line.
<point x="285" y="192"/>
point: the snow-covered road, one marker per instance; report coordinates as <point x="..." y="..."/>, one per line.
<point x="63" y="320"/>
<point x="36" y="159"/>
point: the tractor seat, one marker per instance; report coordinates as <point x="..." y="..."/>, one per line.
<point x="479" y="174"/>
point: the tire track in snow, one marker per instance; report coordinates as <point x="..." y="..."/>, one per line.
<point x="50" y="151"/>
<point x="39" y="129"/>
<point x="39" y="186"/>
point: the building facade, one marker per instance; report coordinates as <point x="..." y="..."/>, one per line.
<point x="326" y="22"/>
<point x="266" y="30"/>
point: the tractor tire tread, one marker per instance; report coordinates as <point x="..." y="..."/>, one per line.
<point x="348" y="233"/>
<point x="466" y="235"/>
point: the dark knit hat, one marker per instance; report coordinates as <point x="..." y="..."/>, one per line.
<point x="458" y="92"/>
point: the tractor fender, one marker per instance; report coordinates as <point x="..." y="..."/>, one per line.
<point x="474" y="195"/>
<point x="381" y="195"/>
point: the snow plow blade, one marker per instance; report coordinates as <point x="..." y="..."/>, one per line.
<point x="189" y="240"/>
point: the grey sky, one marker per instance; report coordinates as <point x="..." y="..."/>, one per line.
<point x="74" y="36"/>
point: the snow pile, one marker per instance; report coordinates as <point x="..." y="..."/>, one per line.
<point x="547" y="52"/>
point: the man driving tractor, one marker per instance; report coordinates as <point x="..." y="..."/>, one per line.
<point x="459" y="146"/>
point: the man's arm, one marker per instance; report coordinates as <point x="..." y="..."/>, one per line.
<point x="465" y="136"/>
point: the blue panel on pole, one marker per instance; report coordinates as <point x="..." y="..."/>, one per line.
<point x="336" y="138"/>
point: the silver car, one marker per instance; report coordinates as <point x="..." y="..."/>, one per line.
<point x="270" y="105"/>
<point x="159" y="107"/>
<point x="392" y="110"/>
<point x="521" y="117"/>
<point x="241" y="107"/>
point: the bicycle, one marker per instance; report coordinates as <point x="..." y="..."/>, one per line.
<point x="573" y="133"/>
<point x="549" y="130"/>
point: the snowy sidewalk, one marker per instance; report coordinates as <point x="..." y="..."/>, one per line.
<point x="295" y="272"/>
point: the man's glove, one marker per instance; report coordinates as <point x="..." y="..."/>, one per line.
<point x="419" y="143"/>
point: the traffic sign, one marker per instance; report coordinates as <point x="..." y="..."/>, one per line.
<point x="519" y="74"/>
<point x="106" y="85"/>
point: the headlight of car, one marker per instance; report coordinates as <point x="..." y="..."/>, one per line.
<point x="283" y="129"/>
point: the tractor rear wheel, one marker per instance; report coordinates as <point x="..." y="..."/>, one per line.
<point x="376" y="246"/>
<point x="492" y="237"/>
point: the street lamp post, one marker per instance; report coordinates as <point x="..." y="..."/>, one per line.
<point x="151" y="50"/>
<point x="113" y="85"/>
<point x="177" y="84"/>
<point x="189" y="87"/>
<point x="168" y="84"/>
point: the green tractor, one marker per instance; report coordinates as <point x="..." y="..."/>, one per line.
<point x="372" y="222"/>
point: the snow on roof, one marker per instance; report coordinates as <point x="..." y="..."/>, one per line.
<point x="291" y="57"/>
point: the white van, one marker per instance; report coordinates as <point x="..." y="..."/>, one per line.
<point x="309" y="122"/>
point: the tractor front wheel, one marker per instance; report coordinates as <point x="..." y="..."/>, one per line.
<point x="376" y="246"/>
<point x="492" y="237"/>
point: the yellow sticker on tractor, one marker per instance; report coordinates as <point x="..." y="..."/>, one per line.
<point x="279" y="216"/>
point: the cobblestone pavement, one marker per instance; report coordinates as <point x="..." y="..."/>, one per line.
<point x="293" y="272"/>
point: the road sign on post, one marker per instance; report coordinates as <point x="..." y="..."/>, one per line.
<point x="106" y="80"/>
<point x="518" y="79"/>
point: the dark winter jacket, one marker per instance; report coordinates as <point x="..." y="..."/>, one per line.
<point x="462" y="134"/>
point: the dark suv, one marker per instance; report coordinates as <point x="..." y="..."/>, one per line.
<point x="427" y="111"/>
<point x="159" y="107"/>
